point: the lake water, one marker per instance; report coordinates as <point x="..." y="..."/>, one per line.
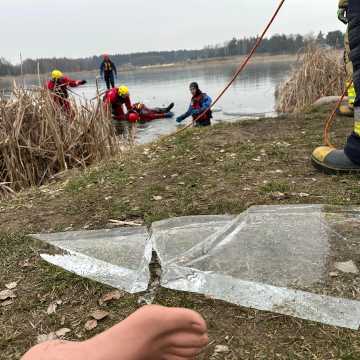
<point x="252" y="95"/>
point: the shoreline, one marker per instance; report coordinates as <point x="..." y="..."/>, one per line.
<point x="225" y="60"/>
<point x="181" y="65"/>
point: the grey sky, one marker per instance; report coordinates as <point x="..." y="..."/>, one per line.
<point x="74" y="28"/>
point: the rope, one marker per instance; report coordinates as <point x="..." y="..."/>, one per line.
<point x="99" y="95"/>
<point x="237" y="73"/>
<point x="329" y="122"/>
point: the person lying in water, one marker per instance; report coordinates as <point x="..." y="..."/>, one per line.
<point x="149" y="114"/>
<point x="118" y="98"/>
<point x="200" y="102"/>
<point x="151" y="333"/>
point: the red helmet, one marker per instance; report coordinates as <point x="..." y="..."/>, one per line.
<point x="106" y="56"/>
<point x="133" y="117"/>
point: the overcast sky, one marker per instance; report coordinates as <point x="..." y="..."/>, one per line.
<point x="76" y="28"/>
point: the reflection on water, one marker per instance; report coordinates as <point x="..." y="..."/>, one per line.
<point x="252" y="94"/>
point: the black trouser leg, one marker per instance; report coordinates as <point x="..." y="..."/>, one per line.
<point x="203" y="123"/>
<point x="107" y="81"/>
<point x="354" y="40"/>
<point x="352" y="148"/>
<point x="164" y="110"/>
<point x="112" y="80"/>
<point x="159" y="110"/>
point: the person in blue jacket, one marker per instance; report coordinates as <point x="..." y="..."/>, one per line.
<point x="108" y="71"/>
<point x="200" y="102"/>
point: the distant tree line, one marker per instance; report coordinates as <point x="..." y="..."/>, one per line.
<point x="277" y="44"/>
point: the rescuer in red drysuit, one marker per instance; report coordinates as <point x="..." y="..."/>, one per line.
<point x="116" y="99"/>
<point x="58" y="85"/>
<point x="124" y="122"/>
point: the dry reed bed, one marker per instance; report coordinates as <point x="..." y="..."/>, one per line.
<point x="318" y="72"/>
<point x="37" y="141"/>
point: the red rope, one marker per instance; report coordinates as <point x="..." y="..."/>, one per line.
<point x="240" y="69"/>
<point x="330" y="120"/>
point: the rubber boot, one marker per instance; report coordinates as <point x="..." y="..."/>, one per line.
<point x="169" y="108"/>
<point x="333" y="161"/>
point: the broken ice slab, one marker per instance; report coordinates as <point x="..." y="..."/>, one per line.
<point x="305" y="305"/>
<point x="274" y="258"/>
<point x="281" y="246"/>
<point x="185" y="233"/>
<point x="116" y="257"/>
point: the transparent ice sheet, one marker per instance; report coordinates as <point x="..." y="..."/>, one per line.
<point x="271" y="258"/>
<point x="274" y="258"/>
<point x="173" y="237"/>
<point x="117" y="257"/>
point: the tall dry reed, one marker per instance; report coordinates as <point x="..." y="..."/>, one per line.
<point x="38" y="141"/>
<point x="318" y="72"/>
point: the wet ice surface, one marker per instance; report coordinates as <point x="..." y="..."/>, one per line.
<point x="283" y="259"/>
<point x="118" y="257"/>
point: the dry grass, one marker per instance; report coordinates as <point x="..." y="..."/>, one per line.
<point x="38" y="141"/>
<point x="317" y="73"/>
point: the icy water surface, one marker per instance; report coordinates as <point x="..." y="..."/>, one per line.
<point x="252" y="95"/>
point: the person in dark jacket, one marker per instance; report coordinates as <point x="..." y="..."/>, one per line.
<point x="328" y="159"/>
<point x="200" y="105"/>
<point x="108" y="72"/>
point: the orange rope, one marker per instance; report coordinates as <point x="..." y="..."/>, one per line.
<point x="238" y="72"/>
<point x="329" y="122"/>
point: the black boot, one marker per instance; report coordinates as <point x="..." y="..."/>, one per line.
<point x="168" y="109"/>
